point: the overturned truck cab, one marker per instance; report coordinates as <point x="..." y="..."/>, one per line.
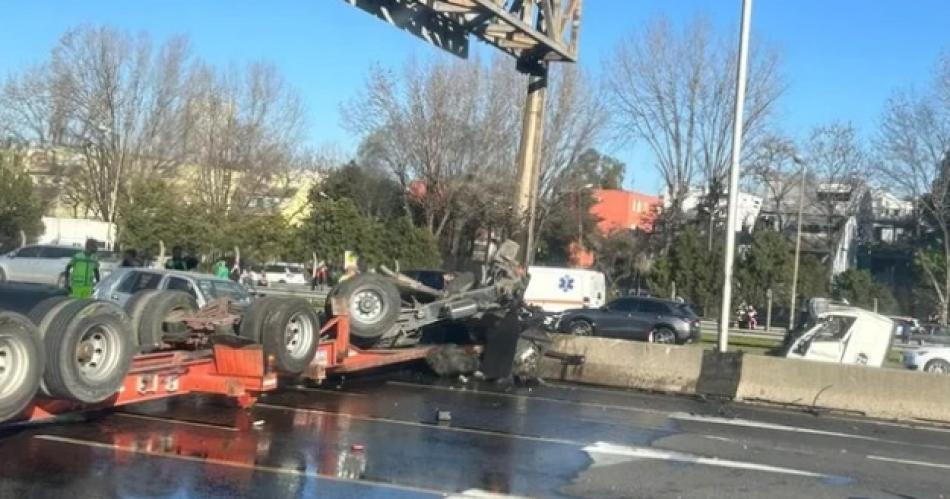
<point x="841" y="334"/>
<point x="388" y="309"/>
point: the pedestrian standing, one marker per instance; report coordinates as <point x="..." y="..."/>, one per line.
<point x="130" y="259"/>
<point x="82" y="272"/>
<point x="177" y="261"/>
<point x="220" y="269"/>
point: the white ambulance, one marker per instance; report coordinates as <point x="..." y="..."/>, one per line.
<point x="556" y="289"/>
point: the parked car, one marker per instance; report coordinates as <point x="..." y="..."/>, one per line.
<point x="37" y="263"/>
<point x="634" y="318"/>
<point x="126" y="281"/>
<point x="285" y="273"/>
<point x="928" y="358"/>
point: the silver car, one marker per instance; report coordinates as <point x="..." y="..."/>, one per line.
<point x="46" y="264"/>
<point x="124" y="282"/>
<point x="38" y="263"/>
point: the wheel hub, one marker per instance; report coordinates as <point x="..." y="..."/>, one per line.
<point x="299" y="335"/>
<point x="13" y="357"/>
<point x="97" y="352"/>
<point x="368" y="306"/>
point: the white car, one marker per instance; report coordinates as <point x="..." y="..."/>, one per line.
<point x="38" y="264"/>
<point x="928" y="358"/>
<point x="285" y="273"/>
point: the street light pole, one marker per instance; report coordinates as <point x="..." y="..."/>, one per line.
<point x="731" y="216"/>
<point x="798" y="244"/>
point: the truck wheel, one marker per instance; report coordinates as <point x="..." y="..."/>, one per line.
<point x="291" y="333"/>
<point x="153" y="327"/>
<point x="21" y="363"/>
<point x="45" y="307"/>
<point x="252" y="323"/>
<point x="88" y="351"/>
<point x="135" y="307"/>
<point x="373" y="305"/>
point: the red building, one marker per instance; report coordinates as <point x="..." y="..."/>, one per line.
<point x="618" y="210"/>
<point x="625" y="210"/>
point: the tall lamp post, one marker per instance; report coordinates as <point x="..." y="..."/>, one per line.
<point x="798" y="243"/>
<point x="731" y="216"/>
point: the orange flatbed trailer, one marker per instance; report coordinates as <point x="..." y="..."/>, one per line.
<point x="239" y="372"/>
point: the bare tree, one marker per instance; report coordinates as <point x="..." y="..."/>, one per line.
<point x="242" y="128"/>
<point x="122" y="101"/>
<point x="675" y="92"/>
<point x="441" y="126"/>
<point x="773" y="170"/>
<point x="110" y="96"/>
<point x="838" y="164"/>
<point x="575" y="118"/>
<point x="914" y="144"/>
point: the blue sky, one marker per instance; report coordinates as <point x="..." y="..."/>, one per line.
<point x="842" y="57"/>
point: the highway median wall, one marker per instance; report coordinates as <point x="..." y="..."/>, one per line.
<point x="875" y="392"/>
<point x="627" y="364"/>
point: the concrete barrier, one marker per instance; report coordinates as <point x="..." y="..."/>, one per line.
<point x="876" y="392"/>
<point x="627" y="364"/>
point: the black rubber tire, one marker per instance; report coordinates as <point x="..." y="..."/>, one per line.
<point x="135" y="307"/>
<point x="63" y="377"/>
<point x="666" y="333"/>
<point x="39" y="311"/>
<point x="275" y="339"/>
<point x="21" y="338"/>
<point x="152" y="330"/>
<point x="937" y="363"/>
<point x="578" y="324"/>
<point x="368" y="333"/>
<point x="252" y="323"/>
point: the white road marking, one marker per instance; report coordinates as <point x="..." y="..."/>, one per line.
<point x="235" y="464"/>
<point x="910" y="461"/>
<point x="416" y="424"/>
<point x="530" y="397"/>
<point x="482" y="494"/>
<point x="175" y="421"/>
<point x="748" y="423"/>
<point x="613" y="450"/>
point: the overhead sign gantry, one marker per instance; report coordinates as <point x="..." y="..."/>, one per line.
<point x="534" y="32"/>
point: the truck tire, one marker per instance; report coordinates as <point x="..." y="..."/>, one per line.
<point x="291" y="334"/>
<point x="252" y="323"/>
<point x="373" y="304"/>
<point x="89" y="350"/>
<point x="135" y="307"/>
<point x="21" y="363"/>
<point x="153" y="328"/>
<point x="43" y="308"/>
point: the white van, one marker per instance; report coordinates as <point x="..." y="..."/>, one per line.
<point x="842" y="334"/>
<point x="556" y="289"/>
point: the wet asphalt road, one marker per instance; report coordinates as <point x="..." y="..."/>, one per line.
<point x="379" y="438"/>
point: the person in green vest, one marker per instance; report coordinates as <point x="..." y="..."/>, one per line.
<point x="177" y="261"/>
<point x="220" y="269"/>
<point x="82" y="272"/>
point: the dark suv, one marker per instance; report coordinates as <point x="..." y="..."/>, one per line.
<point x="634" y="318"/>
